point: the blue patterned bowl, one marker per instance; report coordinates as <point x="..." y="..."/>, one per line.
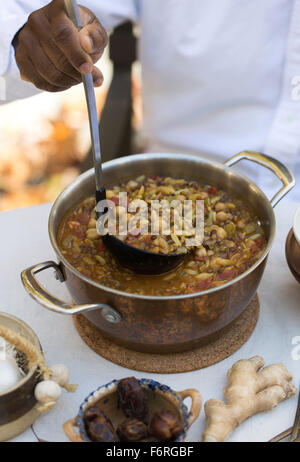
<point x="159" y="396"/>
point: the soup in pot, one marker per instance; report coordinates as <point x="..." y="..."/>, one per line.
<point x="233" y="238"/>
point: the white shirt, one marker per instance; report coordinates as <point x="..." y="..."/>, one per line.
<point x="218" y="76"/>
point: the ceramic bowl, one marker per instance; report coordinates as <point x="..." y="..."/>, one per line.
<point x="292" y="247"/>
<point x="296" y="226"/>
<point x="292" y="253"/>
<point x="159" y="396"/>
<point x="18" y="405"/>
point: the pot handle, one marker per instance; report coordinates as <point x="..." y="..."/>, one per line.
<point x="44" y="298"/>
<point x="72" y="431"/>
<point x="282" y="172"/>
<point x="196" y="405"/>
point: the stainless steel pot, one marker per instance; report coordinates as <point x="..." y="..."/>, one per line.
<point x="161" y="324"/>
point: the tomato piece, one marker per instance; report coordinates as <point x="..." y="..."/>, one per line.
<point x="100" y="246"/>
<point x="115" y="200"/>
<point x="83" y="218"/>
<point x="79" y="231"/>
<point x="212" y="190"/>
<point x="226" y="274"/>
<point x="259" y="242"/>
<point x="147" y="239"/>
<point x="203" y="285"/>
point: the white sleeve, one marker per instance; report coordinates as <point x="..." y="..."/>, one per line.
<point x="14" y="14"/>
<point x="113" y="12"/>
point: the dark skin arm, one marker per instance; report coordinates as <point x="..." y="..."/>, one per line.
<point x="52" y="54"/>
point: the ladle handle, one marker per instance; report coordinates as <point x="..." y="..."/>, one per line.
<point x="72" y="11"/>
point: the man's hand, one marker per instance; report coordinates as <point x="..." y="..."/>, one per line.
<point x="51" y="53"/>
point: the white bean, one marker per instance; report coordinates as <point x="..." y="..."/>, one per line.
<point x="92" y="233"/>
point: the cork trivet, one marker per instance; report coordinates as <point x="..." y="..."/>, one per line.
<point x="233" y="339"/>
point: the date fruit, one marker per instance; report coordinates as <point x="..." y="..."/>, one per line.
<point x="132" y="430"/>
<point x="165" y="426"/>
<point x="98" y="426"/>
<point x="133" y="399"/>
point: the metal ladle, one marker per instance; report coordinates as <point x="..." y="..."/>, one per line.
<point x="137" y="260"/>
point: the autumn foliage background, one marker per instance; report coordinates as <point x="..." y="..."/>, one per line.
<point x="44" y="140"/>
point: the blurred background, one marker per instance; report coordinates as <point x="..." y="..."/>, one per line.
<point x="44" y="140"/>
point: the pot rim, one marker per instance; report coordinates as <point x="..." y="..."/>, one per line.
<point x="32" y="371"/>
<point x="170" y="156"/>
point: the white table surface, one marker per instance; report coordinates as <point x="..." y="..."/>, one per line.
<point x="24" y="242"/>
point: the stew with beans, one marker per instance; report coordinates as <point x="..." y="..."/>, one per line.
<point x="233" y="240"/>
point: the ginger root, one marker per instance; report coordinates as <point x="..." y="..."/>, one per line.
<point x="249" y="391"/>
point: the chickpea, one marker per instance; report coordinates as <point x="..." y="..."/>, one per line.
<point x="132" y="185"/>
<point x="109" y="194"/>
<point x="92" y="233"/>
<point x="220" y="206"/>
<point x="221" y="216"/>
<point x="92" y="223"/>
<point x="201" y="252"/>
<point x="221" y="234"/>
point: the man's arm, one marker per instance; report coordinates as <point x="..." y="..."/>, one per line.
<point x="52" y="54"/>
<point x="42" y="46"/>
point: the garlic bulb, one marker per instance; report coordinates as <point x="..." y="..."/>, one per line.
<point x="60" y="374"/>
<point x="10" y="374"/>
<point x="47" y="392"/>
